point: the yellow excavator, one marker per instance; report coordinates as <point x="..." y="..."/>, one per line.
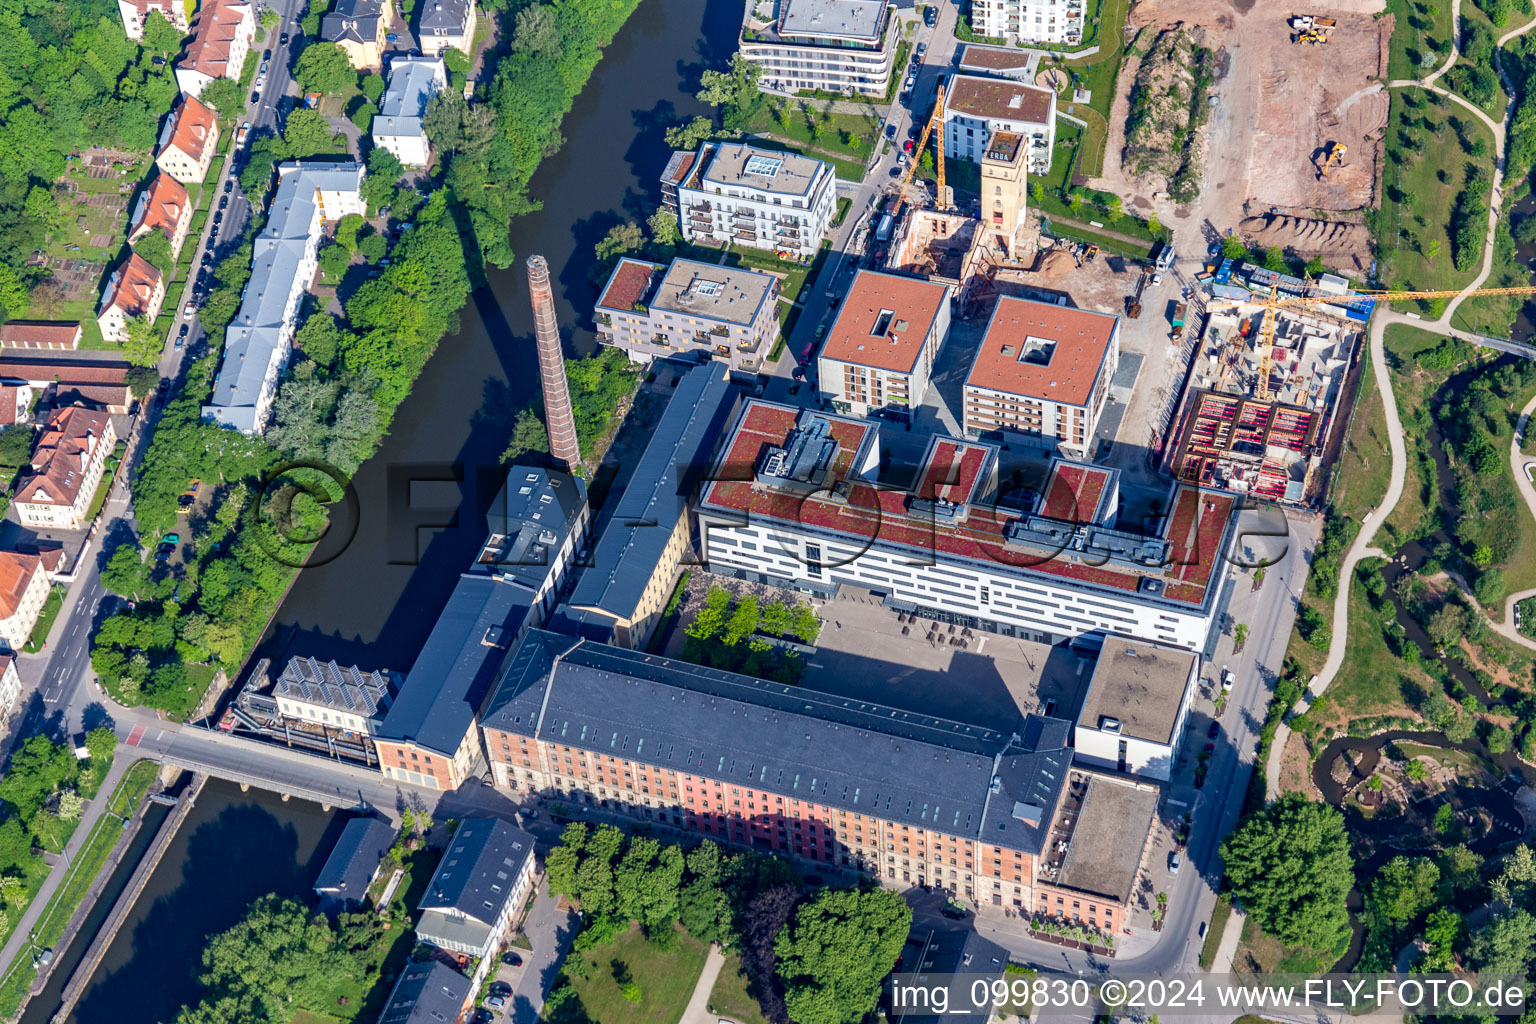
<point x="1273" y="302"/>
<point x="934" y="127"/>
<point x="1336" y="151"/>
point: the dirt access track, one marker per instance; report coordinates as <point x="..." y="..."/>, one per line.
<point x="1278" y="106"/>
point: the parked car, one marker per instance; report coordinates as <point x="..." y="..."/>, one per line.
<point x="283" y="39"/>
<point x="1174" y="862"/>
<point x="266" y="56"/>
<point x="229" y="185"/>
<point x="158" y="62"/>
<point x="922" y="50"/>
<point x="255" y="98"/>
<point x="179" y="342"/>
<point x="931" y="16"/>
<point x="511" y="959"/>
<point x="1228" y="679"/>
<point x="184" y="329"/>
<point x="391" y="38"/>
<point x="890" y="132"/>
<point x="909" y="147"/>
<point x="223" y="202"/>
<point x="188" y="309"/>
<point x="911" y="81"/>
<point x="1214" y="730"/>
<point x="262" y="71"/>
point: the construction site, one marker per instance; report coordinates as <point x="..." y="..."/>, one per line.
<point x="1265" y="408"/>
<point x="1291" y="151"/>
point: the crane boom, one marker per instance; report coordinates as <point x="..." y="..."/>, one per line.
<point x="1273" y="302"/>
<point x="935" y="121"/>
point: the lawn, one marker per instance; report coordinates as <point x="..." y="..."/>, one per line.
<point x="1365" y="466"/>
<point x="45" y="620"/>
<point x="86" y="866"/>
<point x="843" y="135"/>
<point x="666" y="980"/>
<point x="1417" y="36"/>
<point x="1259" y="953"/>
<point x="731" y="998"/>
<point x="108" y="470"/>
<point x="1219" y="917"/>
<point x="1419" y="204"/>
<point x="1471" y="14"/>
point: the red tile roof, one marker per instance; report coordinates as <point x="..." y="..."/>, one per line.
<point x="163" y="206"/>
<point x="40" y="332"/>
<point x="133" y="286"/>
<point x="629" y="284"/>
<point x="1073" y="492"/>
<point x="914" y="305"/>
<point x="16" y="569"/>
<point x="213" y="36"/>
<point x="1081" y="340"/>
<point x="64" y="448"/>
<point x="1195" y="529"/>
<point x="193" y="127"/>
<point x="8" y="398"/>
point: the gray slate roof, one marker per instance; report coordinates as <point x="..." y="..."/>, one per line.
<point x="632" y="539"/>
<point x="352" y="21"/>
<point x="848" y="754"/>
<point x="477" y="872"/>
<point x="257" y="342"/>
<point x="327" y="684"/>
<point x="534" y="512"/>
<point x="457" y="667"/>
<point x="959" y="952"/>
<point x="427" y="993"/>
<point x="442" y="17"/>
<point x="354" y="859"/>
<point x="413" y="81"/>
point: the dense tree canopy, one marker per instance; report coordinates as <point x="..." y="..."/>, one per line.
<point x="1289" y="865"/>
<point x="837" y="949"/>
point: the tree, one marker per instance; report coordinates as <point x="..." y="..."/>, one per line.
<point x="306" y="133"/>
<point x="144" y="343"/>
<point x="13" y="294"/>
<point x="47" y="297"/>
<point x="1515" y="883"/>
<point x="1115" y="210"/>
<point x="333" y="261"/>
<point x="734" y="91"/>
<point x="155" y="248"/>
<point x="664" y="228"/>
<point x="362" y="115"/>
<point x="1460" y="867"/>
<point x="38" y="767"/>
<point x="1289" y="865"/>
<point x="1442" y="933"/>
<point x="347" y="229"/>
<point x="457" y="61"/>
<point x="1505" y="944"/>
<point x="276" y="956"/>
<point x="1154" y="225"/>
<point x="384" y="169"/>
<point x="834" y="953"/>
<point x="102" y="743"/>
<point x="70" y="805"/>
<point x="535" y="31"/>
<point x="126" y="572"/>
<point x="1447" y="625"/>
<point x="1234" y="248"/>
<point x="528" y="437"/>
<point x="621" y="238"/>
<point x="373" y="88"/>
<point x="1274" y="259"/>
<point x="691" y="134"/>
<point x="324" y="68"/>
<point x="320" y="338"/>
<point x="15" y="843"/>
<point x="225" y="96"/>
<point x="373" y="247"/>
<point x="1405" y="887"/>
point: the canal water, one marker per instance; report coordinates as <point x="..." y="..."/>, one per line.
<point x="375" y="603"/>
<point x="232" y="849"/>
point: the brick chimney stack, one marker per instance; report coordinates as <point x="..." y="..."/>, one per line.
<point x="558" y="419"/>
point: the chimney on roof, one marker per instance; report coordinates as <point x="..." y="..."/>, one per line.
<point x="558" y="419"/>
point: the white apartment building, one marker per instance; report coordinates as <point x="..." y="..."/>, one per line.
<point x="413" y="81"/>
<point x="1134" y="711"/>
<point x="975" y="107"/>
<point x="836" y="45"/>
<point x="1029" y="21"/>
<point x="727" y="314"/>
<point x="55" y="491"/>
<point x="259" y="340"/>
<point x="222" y="34"/>
<point x="1041" y="375"/>
<point x="134" y="12"/>
<point x="878" y="356"/>
<point x="23" y="592"/>
<point x="738" y="194"/>
<point x="10" y="687"/>
<point x="794" y="500"/>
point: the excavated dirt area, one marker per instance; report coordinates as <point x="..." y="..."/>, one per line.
<point x="1278" y="106"/>
<point x="1341" y="244"/>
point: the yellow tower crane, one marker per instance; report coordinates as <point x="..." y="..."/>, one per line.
<point x="934" y="127"/>
<point x="1273" y="303"/>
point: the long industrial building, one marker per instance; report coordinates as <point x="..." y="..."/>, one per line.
<point x="830" y="781"/>
<point x="795" y="500"/>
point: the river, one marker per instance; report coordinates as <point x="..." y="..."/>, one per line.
<point x="233" y="848"/>
<point x="374" y="604"/>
